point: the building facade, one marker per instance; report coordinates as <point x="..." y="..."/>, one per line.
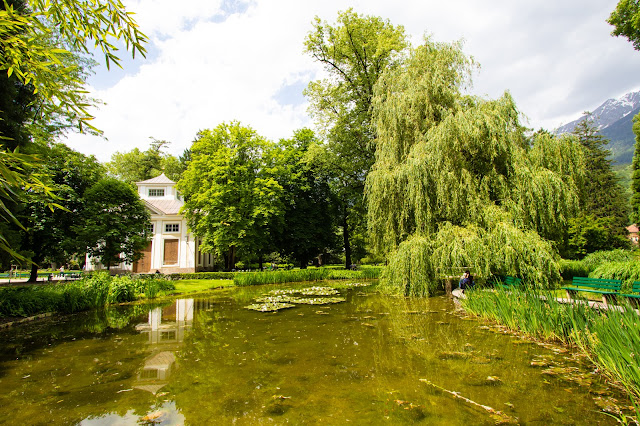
<point x="172" y="249"/>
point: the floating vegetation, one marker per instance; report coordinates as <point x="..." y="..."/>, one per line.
<point x="318" y="291"/>
<point x="356" y="284"/>
<point x="275" y="299"/>
<point x="317" y="300"/>
<point x="269" y="307"/>
<point x="284" y="292"/>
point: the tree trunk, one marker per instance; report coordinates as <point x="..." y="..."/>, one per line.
<point x="347" y="244"/>
<point x="260" y="260"/>
<point x="231" y="258"/>
<point x="33" y="276"/>
<point x="303" y="263"/>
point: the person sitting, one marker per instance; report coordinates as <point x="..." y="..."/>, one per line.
<point x="466" y="281"/>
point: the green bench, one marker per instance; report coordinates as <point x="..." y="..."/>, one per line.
<point x="609" y="289"/>
<point x="509" y="283"/>
<point x="634" y="296"/>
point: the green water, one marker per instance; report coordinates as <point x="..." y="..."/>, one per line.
<point x="210" y="361"/>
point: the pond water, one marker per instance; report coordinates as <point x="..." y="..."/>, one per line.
<point x="211" y="361"/>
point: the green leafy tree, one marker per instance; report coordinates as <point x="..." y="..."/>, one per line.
<point x="354" y="52"/>
<point x="452" y="175"/>
<point x="115" y="225"/>
<point x="635" y="176"/>
<point x="51" y="234"/>
<point x="307" y="227"/>
<point x="626" y="20"/>
<point x="136" y="165"/>
<point x="232" y="197"/>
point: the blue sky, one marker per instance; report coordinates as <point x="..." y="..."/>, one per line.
<point x="211" y="61"/>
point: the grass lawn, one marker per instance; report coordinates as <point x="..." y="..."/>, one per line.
<point x="190" y="286"/>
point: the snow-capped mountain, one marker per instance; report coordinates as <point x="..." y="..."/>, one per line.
<point x="608" y="113"/>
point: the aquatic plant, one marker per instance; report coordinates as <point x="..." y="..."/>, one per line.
<point x="611" y="339"/>
<point x="269" y="306"/>
<point x="278" y="277"/>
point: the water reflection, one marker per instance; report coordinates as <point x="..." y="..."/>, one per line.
<point x="165" y="329"/>
<point x="210" y="361"/>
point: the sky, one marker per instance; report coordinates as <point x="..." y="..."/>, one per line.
<point x="214" y="61"/>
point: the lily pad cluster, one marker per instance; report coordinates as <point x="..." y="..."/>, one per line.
<point x="356" y="284"/>
<point x="283" y="299"/>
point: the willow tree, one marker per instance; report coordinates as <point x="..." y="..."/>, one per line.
<point x="457" y="183"/>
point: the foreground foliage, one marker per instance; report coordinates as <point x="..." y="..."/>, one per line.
<point x="611" y="338"/>
<point x="94" y="292"/>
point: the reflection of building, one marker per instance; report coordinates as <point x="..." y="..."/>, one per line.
<point x="168" y="324"/>
<point x="166" y="329"/>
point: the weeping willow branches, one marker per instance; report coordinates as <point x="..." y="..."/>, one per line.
<point x="456" y="182"/>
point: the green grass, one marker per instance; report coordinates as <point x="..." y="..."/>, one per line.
<point x="191" y="286"/>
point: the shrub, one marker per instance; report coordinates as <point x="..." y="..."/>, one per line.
<point x="573" y="268"/>
<point x="628" y="272"/>
<point x="597" y="258"/>
<point x="203" y="276"/>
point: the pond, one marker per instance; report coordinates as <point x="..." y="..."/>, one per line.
<point x="212" y="361"/>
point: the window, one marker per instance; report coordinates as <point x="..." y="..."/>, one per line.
<point x="150" y="228"/>
<point x="156" y="192"/>
<point x="172" y="227"/>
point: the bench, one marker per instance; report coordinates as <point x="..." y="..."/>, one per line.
<point x="509" y="283"/>
<point x="634" y="296"/>
<point x="609" y="289"/>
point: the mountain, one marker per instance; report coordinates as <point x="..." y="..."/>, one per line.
<point x="614" y="119"/>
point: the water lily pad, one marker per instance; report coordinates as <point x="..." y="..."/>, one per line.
<point x="269" y="307"/>
<point x="356" y="284"/>
<point x="317" y="300"/>
<point x="318" y="291"/>
<point x="274" y="299"/>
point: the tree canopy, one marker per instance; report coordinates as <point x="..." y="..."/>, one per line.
<point x="626" y="21"/>
<point x="354" y="51"/>
<point x="136" y="165"/>
<point x="231" y="194"/>
<point x="115" y="225"/>
<point x="452" y="175"/>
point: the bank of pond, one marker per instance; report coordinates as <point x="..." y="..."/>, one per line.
<point x="322" y="352"/>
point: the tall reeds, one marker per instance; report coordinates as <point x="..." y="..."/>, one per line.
<point x="301" y="275"/>
<point x="97" y="291"/>
<point x="278" y="277"/>
<point x="611" y="339"/>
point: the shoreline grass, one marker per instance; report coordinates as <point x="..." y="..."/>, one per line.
<point x="610" y="339"/>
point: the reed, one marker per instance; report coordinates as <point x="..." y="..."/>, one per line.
<point x="279" y="277"/>
<point x="610" y="339"/>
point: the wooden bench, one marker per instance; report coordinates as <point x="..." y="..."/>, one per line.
<point x="609" y="289"/>
<point x="509" y="283"/>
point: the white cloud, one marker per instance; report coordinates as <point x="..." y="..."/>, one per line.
<point x="211" y="65"/>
